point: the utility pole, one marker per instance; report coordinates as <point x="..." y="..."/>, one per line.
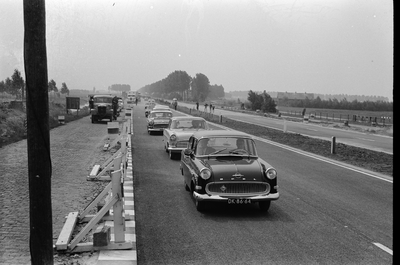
<point x="39" y="159"/>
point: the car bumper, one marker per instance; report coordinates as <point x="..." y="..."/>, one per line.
<point x="155" y="129"/>
<point x="256" y="198"/>
<point x="175" y="149"/>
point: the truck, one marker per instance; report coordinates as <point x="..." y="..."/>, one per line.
<point x="101" y="107"/>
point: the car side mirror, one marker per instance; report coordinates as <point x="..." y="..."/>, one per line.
<point x="187" y="152"/>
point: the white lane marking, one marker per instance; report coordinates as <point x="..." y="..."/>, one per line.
<point x="311" y="129"/>
<point x="384" y="248"/>
<point x="371" y="140"/>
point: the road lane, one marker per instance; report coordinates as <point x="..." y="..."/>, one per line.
<point x="326" y="214"/>
<point x="370" y="141"/>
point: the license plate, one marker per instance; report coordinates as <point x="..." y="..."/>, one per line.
<point x="239" y="201"/>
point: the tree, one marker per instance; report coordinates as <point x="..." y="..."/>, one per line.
<point x="52" y="86"/>
<point x="200" y="87"/>
<point x="64" y="89"/>
<point x="17" y="84"/>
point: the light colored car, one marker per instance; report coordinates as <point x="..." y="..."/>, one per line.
<point x="158" y="120"/>
<point x="223" y="166"/>
<point x="159" y="106"/>
<point x="149" y="107"/>
<point x="178" y="132"/>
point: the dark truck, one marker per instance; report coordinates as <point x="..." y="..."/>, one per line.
<point x="101" y="107"/>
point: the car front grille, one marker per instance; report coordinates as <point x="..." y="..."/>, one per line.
<point x="181" y="144"/>
<point x="102" y="110"/>
<point x="237" y="188"/>
<point x="158" y="126"/>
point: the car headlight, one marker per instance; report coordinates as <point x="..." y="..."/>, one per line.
<point x="205" y="173"/>
<point x="271" y="173"/>
<point x="172" y="138"/>
<point x="151" y="122"/>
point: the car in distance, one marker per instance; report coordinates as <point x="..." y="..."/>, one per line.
<point x="223" y="166"/>
<point x="178" y="132"/>
<point x="159" y="106"/>
<point x="158" y="120"/>
<point x="149" y="105"/>
<point x="101" y="108"/>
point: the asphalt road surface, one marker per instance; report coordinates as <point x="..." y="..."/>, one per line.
<point x="327" y="214"/>
<point x="369" y="141"/>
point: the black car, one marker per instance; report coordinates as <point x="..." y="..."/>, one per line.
<point x="223" y="166"/>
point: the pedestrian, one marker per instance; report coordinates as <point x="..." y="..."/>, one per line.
<point x="115" y="106"/>
<point x="197" y="105"/>
<point x="205" y="107"/>
<point x="211" y="107"/>
<point x="136" y="100"/>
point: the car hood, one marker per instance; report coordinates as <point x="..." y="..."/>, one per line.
<point x="235" y="168"/>
<point x="160" y="120"/>
<point x="184" y="134"/>
<point x="102" y="104"/>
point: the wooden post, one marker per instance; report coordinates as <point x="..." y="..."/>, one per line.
<point x="119" y="234"/>
<point x="333" y="145"/>
<point x="38" y="135"/>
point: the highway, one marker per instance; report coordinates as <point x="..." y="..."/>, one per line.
<point x="365" y="140"/>
<point x="327" y="213"/>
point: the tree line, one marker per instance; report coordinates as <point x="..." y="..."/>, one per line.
<point x="181" y="85"/>
<point x="338" y="104"/>
<point x="15" y="85"/>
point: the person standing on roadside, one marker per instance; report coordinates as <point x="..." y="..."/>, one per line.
<point x="115" y="106"/>
<point x="211" y="107"/>
<point x="197" y="105"/>
<point x="205" y="107"/>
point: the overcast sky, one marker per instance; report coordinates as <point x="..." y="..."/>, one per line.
<point x="313" y="46"/>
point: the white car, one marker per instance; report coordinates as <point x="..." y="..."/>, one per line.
<point x="178" y="132"/>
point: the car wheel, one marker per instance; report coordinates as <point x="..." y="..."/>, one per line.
<point x="166" y="148"/>
<point x="186" y="186"/>
<point x="149" y="132"/>
<point x="92" y="120"/>
<point x="264" y="206"/>
<point x="171" y="155"/>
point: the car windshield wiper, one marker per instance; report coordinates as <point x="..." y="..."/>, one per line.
<point x="239" y="151"/>
<point x="217" y="152"/>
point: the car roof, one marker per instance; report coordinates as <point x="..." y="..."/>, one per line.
<point x="178" y="118"/>
<point x="103" y="96"/>
<point x="220" y="133"/>
<point x="161" y="107"/>
<point x="160" y="110"/>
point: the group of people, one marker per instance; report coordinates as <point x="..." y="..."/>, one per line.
<point x="212" y="107"/>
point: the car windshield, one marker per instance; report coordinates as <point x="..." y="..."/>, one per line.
<point x="102" y="100"/>
<point x="160" y="115"/>
<point x="226" y="146"/>
<point x="188" y="124"/>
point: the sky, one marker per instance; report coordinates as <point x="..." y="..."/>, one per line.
<point x="312" y="46"/>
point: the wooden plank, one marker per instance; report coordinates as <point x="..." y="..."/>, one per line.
<point x="88" y="247"/>
<point x="95" y="171"/>
<point x="66" y="232"/>
<point x="92" y="223"/>
<point x="95" y="201"/>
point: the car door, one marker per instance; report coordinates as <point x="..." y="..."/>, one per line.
<point x="186" y="161"/>
<point x="167" y="133"/>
